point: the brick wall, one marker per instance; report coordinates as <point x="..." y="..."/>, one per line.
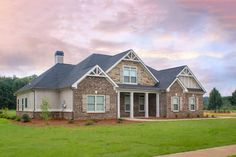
<point x="88" y="86"/>
<point x="176" y="90"/>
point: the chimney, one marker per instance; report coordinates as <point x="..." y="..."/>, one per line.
<point x="59" y="57"/>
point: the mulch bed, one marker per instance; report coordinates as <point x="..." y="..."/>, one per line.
<point x="40" y="123"/>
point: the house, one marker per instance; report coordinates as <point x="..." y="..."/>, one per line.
<point x="104" y="87"/>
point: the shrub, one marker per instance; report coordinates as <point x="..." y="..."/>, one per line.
<point x="119" y="120"/>
<point x="212" y="116"/>
<point x="18" y="118"/>
<point x="70" y="121"/>
<point x="188" y="115"/>
<point x="25" y="118"/>
<point x="44" y="108"/>
<point x="198" y="116"/>
<point x="89" y="122"/>
<point x="207" y="115"/>
<point x="176" y="116"/>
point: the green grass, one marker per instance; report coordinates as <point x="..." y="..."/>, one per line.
<point x="11" y="112"/>
<point x="139" y="140"/>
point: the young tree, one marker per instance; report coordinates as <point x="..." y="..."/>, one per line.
<point x="44" y="108"/>
<point x="215" y="100"/>
<point x="233" y="98"/>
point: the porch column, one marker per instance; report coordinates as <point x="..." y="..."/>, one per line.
<point x="146" y="105"/>
<point x="157" y="105"/>
<point x="118" y="104"/>
<point x="131" y="104"/>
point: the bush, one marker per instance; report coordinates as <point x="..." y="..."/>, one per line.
<point x="70" y="121"/>
<point x="89" y="122"/>
<point x="25" y="118"/>
<point x="212" y="116"/>
<point x="18" y="118"/>
<point x="119" y="120"/>
<point x="44" y="107"/>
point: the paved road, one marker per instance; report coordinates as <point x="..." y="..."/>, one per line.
<point x="224" y="151"/>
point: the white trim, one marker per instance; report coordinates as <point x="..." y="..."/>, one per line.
<point x="118" y="104"/>
<point x="146" y="105"/>
<point x="193" y="77"/>
<point x="131" y="104"/>
<point x="180" y="83"/>
<point x="145" y="67"/>
<point x="134" y="67"/>
<point x="95" y="103"/>
<point x="157" y="105"/>
<point x="100" y="74"/>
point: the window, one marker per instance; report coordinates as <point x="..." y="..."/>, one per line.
<point x="95" y="103"/>
<point x="22" y="101"/>
<point x="175" y="104"/>
<point x="141" y="103"/>
<point x="192" y="104"/>
<point x="127" y="103"/>
<point x="130" y="75"/>
<point x="26" y="103"/>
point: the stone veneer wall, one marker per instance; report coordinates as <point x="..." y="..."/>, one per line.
<point x="144" y="78"/>
<point x="185" y="112"/>
<point x="88" y="86"/>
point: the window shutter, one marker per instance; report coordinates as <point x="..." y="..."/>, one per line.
<point x="197" y="105"/>
<point x="172" y="102"/>
<point x="84" y="103"/>
<point x="107" y="103"/>
<point x="121" y="75"/>
<point x="180" y="103"/>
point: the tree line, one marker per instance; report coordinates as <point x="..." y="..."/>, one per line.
<point x="8" y="86"/>
<point x="216" y="102"/>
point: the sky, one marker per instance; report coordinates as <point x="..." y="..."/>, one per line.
<point x="164" y="33"/>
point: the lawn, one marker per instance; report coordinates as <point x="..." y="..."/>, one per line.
<point x="139" y="140"/>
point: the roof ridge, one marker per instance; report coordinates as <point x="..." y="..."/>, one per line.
<point x="171" y="68"/>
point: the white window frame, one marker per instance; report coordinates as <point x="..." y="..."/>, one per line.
<point x="141" y="104"/>
<point x="190" y="105"/>
<point x="127" y="104"/>
<point x="130" y="67"/>
<point x="95" y="103"/>
<point x="173" y="107"/>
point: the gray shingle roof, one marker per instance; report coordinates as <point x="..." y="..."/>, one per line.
<point x="166" y="76"/>
<point x="64" y="75"/>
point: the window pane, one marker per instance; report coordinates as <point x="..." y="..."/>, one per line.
<point x="91" y="107"/>
<point x="126" y="79"/>
<point x="127" y="107"/>
<point x="141" y="107"/>
<point x="133" y="72"/>
<point x="126" y="71"/>
<point x="100" y="99"/>
<point x="91" y="103"/>
<point x="133" y="80"/>
<point x="91" y="99"/>
<point x="176" y="107"/>
<point x="127" y="99"/>
<point x="175" y="101"/>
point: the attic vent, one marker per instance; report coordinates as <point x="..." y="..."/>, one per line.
<point x="97" y="72"/>
<point x="131" y="56"/>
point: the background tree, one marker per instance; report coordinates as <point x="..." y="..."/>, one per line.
<point x="8" y="86"/>
<point x="233" y="98"/>
<point x="215" y="100"/>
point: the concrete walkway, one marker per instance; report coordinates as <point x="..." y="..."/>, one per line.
<point x="185" y="119"/>
<point x="224" y="151"/>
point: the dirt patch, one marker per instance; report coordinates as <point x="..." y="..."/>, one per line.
<point x="67" y="123"/>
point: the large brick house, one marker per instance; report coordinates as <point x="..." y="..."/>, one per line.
<point x="105" y="87"/>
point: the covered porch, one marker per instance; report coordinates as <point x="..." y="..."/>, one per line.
<point x="142" y="103"/>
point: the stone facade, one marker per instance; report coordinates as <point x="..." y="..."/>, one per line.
<point x="144" y="78"/>
<point x="94" y="86"/>
<point x="176" y="90"/>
